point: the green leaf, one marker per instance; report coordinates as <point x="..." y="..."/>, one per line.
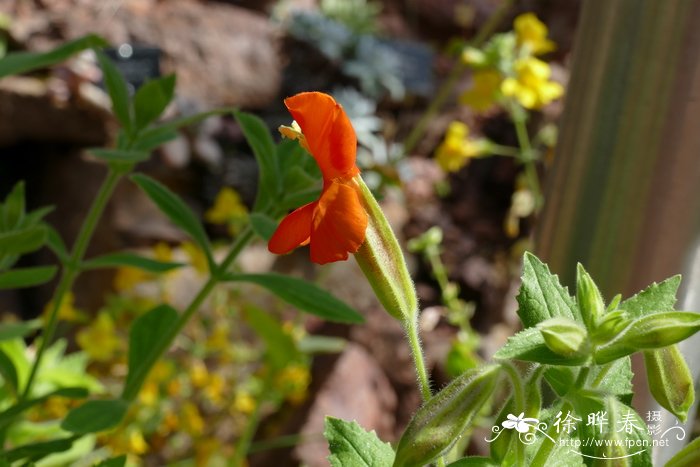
<point x="542" y="296"/>
<point x="21" y="62"/>
<point x="652" y="331"/>
<point x="439" y="423"/>
<point x="263" y="225"/>
<point x="116" y="260"/>
<point x="176" y="210"/>
<point x="351" y="445"/>
<point x="473" y="461"/>
<point x="311" y="344"/>
<point x="119" y="155"/>
<point x="529" y="345"/>
<point x="149" y="338"/>
<point x="95" y="415"/>
<point x="281" y="348"/>
<point x="56" y="244"/>
<point x="13" y="211"/>
<point x="689" y="456"/>
<point x="303" y="295"/>
<point x="615" y="379"/>
<point x="151" y="100"/>
<point x="119" y="461"/>
<point x="9" y="414"/>
<point x="26" y="277"/>
<point x="22" y="241"/>
<point x="118" y="91"/>
<point x="17" y="330"/>
<point x="656" y="297"/>
<point x="8" y="372"/>
<point x="39" y="450"/>
<point x="260" y="141"/>
<point x="151" y="138"/>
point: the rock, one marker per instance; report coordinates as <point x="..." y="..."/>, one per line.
<point x="222" y="54"/>
<point x="357" y="389"/>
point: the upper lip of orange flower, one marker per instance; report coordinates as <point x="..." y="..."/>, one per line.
<point x="335" y="224"/>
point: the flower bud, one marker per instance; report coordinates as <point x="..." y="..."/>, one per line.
<point x="610" y="326"/>
<point x="563" y="336"/>
<point x="670" y="381"/>
<point x="440" y="422"/>
<point x="588" y="296"/>
<point x="382" y="261"/>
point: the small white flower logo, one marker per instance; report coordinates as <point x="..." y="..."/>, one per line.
<point x="520" y="423"/>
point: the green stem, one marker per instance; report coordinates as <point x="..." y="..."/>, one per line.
<point x="526" y="155"/>
<point x="582" y="377"/>
<point x="418" y="358"/>
<point x="72" y="268"/>
<point x="447" y="86"/>
<point x="518" y="404"/>
<point x="501" y="150"/>
<point x="243" y="444"/>
<point x="601" y="374"/>
<point x="547" y="447"/>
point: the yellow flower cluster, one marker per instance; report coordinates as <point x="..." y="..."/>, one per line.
<point x="531" y="34"/>
<point x="531" y="85"/>
<point x="484" y="92"/>
<point x="457" y="148"/>
<point x="228" y="208"/>
<point x="99" y="340"/>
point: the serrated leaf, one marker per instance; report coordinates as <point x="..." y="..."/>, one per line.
<point x="656" y="297"/>
<point x="21" y="62"/>
<point x="258" y="137"/>
<point x="176" y="210"/>
<point x="119" y="155"/>
<point x="529" y="345"/>
<point x="22" y="241"/>
<point x="263" y="225"/>
<point x="351" y="445"/>
<point x="616" y="379"/>
<point x="118" y="91"/>
<point x="281" y="348"/>
<point x="95" y="416"/>
<point x="149" y="338"/>
<point x="303" y="295"/>
<point x="151" y="100"/>
<point x="26" y="277"/>
<point x="116" y="260"/>
<point x="542" y="296"/>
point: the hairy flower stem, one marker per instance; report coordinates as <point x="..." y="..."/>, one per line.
<point x="518" y="404"/>
<point x="71" y="269"/>
<point x="411" y="326"/>
<point x="527" y="155"/>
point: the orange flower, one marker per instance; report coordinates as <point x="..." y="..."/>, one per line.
<point x="335" y="225"/>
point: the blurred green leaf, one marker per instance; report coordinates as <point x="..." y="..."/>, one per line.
<point x="39" y="450"/>
<point x="351" y="445"/>
<point x="56" y="244"/>
<point x="20" y="329"/>
<point x="119" y="155"/>
<point x="153" y="137"/>
<point x="8" y="415"/>
<point x="13" y="208"/>
<point x="118" y="91"/>
<point x="21" y="62"/>
<point x="303" y="295"/>
<point x="33" y="217"/>
<point x="151" y="100"/>
<point x="176" y="210"/>
<point x="473" y="461"/>
<point x="8" y="372"/>
<point x="281" y="348"/>
<point x="260" y="141"/>
<point x="22" y="241"/>
<point x="95" y="415"/>
<point x="311" y="344"/>
<point x="119" y="461"/>
<point x="148" y="339"/>
<point x="26" y="277"/>
<point x="689" y="456"/>
<point x="263" y="225"/>
<point x="529" y="345"/>
<point x="542" y="296"/>
<point x="116" y="260"/>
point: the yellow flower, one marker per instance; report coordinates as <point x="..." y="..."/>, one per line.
<point x="67" y="310"/>
<point x="293" y="381"/>
<point x="214" y="390"/>
<point x="484" y="92"/>
<point x="198" y="259"/>
<point x="99" y="339"/>
<point x="456" y="149"/>
<point x="294" y="133"/>
<point x="532" y="34"/>
<point x="199" y="375"/>
<point x="244" y="403"/>
<point x="191" y="419"/>
<point x="228" y="208"/>
<point x="162" y="252"/>
<point x="531" y="86"/>
<point x="137" y="445"/>
<point x="149" y="393"/>
<point x="128" y="277"/>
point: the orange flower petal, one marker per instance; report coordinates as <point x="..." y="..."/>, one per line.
<point x="339" y="224"/>
<point x="328" y="132"/>
<point x="293" y="231"/>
